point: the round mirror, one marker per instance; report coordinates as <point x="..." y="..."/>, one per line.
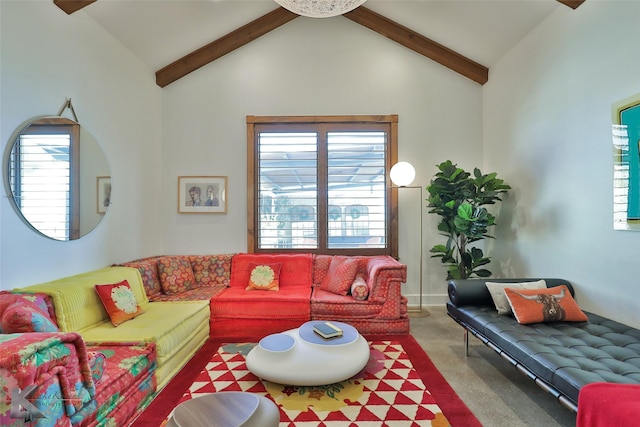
<point x="58" y="177"/>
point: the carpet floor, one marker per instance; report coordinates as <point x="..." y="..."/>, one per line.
<point x="399" y="387"/>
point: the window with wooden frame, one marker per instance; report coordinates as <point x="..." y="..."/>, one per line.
<point x="320" y="184"/>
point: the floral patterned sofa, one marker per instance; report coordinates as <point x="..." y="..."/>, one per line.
<point x="76" y="384"/>
<point x="142" y="344"/>
<point x="364" y="291"/>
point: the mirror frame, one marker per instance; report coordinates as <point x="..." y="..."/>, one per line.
<point x="78" y="232"/>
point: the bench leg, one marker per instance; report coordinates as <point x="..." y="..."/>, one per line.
<point x="466" y="342"/>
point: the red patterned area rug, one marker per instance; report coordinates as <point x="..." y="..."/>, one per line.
<point x="399" y="387"/>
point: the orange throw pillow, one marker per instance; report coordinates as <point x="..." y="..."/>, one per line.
<point x="264" y="277"/>
<point x="342" y="271"/>
<point x="119" y="301"/>
<point x="544" y="305"/>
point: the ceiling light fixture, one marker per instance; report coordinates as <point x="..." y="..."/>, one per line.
<point x="320" y="8"/>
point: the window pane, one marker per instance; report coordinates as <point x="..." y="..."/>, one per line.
<point x="43" y="162"/>
<point x="356" y="189"/>
<point x="288" y="182"/>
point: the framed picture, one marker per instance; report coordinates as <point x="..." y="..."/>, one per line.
<point x="202" y="194"/>
<point x="103" y="192"/>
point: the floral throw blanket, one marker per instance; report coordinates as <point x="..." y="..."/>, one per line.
<point x="57" y="363"/>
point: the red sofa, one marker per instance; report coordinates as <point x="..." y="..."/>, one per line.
<point x="378" y="308"/>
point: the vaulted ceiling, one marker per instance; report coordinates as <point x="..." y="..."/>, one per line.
<point x="178" y="37"/>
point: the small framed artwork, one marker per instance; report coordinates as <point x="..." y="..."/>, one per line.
<point x="103" y="198"/>
<point x="202" y="194"/>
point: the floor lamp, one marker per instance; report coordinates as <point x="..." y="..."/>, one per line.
<point x="402" y="175"/>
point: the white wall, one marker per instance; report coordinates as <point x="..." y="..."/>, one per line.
<point x="48" y="56"/>
<point x="544" y="119"/>
<point x="305" y="67"/>
<point x="547" y="131"/>
<point x="314" y="67"/>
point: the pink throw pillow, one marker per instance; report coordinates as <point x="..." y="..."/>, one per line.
<point x="342" y="271"/>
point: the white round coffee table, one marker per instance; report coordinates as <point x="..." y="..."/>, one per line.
<point x="301" y="357"/>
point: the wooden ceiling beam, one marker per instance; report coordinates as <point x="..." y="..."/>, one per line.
<point x="223" y="45"/>
<point x="278" y="17"/>
<point x="70" y="6"/>
<point x="573" y="4"/>
<point x="420" y="44"/>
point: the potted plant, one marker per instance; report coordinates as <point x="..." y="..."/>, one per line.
<point x="459" y="198"/>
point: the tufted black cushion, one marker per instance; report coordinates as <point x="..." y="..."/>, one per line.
<point x="566" y="355"/>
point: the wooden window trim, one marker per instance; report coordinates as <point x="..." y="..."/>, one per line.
<point x="391" y="159"/>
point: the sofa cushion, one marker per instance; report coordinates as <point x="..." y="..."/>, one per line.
<point x="177" y="336"/>
<point x="264" y="277"/>
<point x="289" y="302"/>
<point x="119" y="301"/>
<point x="342" y="271"/>
<point x="327" y="303"/>
<point x="128" y="382"/>
<point x="500" y="299"/>
<point x="544" y="305"/>
<point x="76" y="301"/>
<point x="201" y="293"/>
<point x="297" y="269"/>
<point x="176" y="274"/>
<point x="25" y="316"/>
<point x="359" y="288"/>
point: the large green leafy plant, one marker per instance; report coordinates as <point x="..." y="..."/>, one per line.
<point x="459" y="199"/>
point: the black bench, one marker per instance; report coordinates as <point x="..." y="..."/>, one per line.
<point x="560" y="357"/>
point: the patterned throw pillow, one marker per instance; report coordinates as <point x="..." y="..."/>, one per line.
<point x="544" y="305"/>
<point x="25" y="316"/>
<point x="342" y="271"/>
<point x="359" y="288"/>
<point x="211" y="270"/>
<point x="496" y="289"/>
<point x="264" y="277"/>
<point x="119" y="301"/>
<point x="149" y="272"/>
<point x="176" y="274"/>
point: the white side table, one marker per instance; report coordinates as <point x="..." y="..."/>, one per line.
<point x="226" y="409"/>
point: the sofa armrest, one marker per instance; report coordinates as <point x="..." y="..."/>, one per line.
<point x="56" y="363"/>
<point x="474" y="291"/>
<point x="384" y="274"/>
